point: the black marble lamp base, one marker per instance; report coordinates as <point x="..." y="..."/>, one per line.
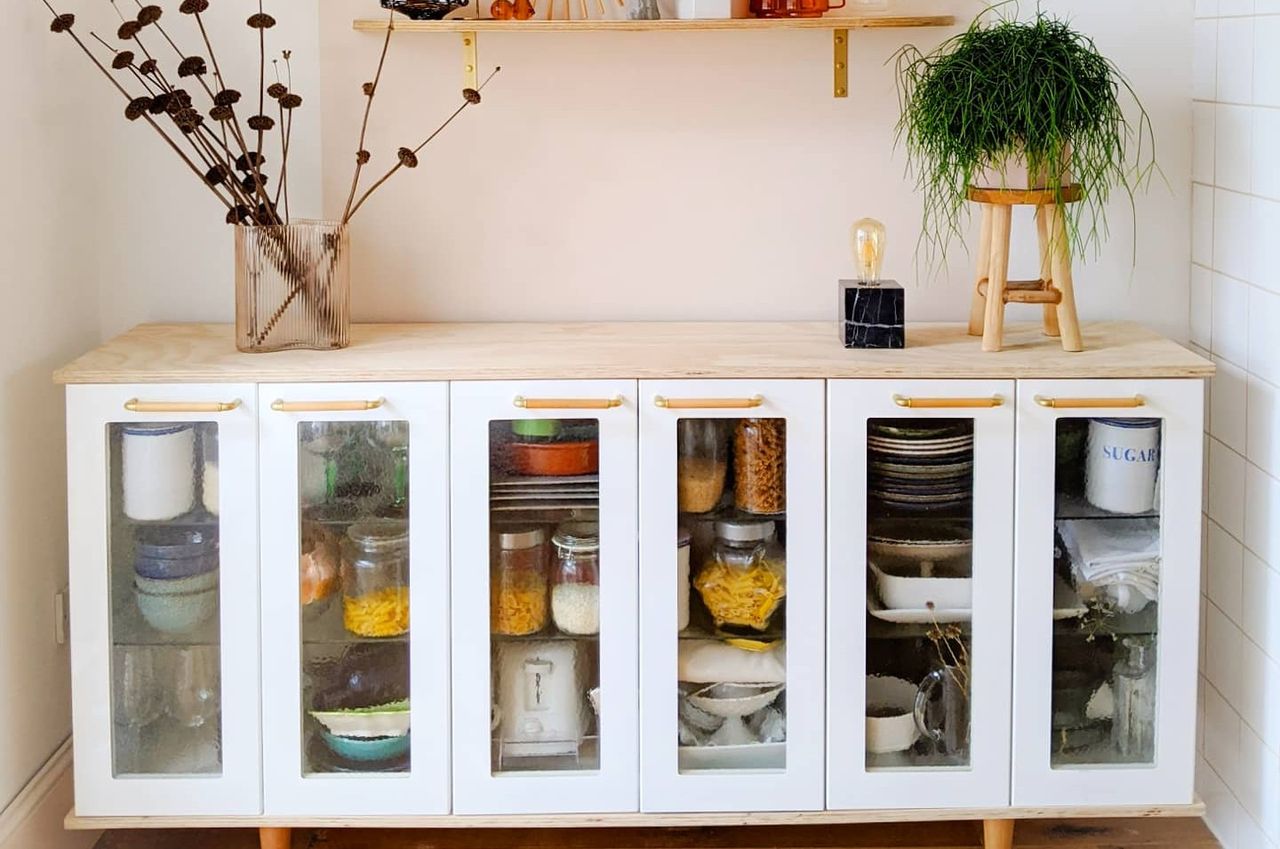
<point x="872" y="315"/>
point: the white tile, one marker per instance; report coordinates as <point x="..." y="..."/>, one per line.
<point x="1259" y="692"/>
<point x="1222" y="649"/>
<point x="1202" y="224"/>
<point x="1264" y="335"/>
<point x="1204" y="569"/>
<point x="1226" y="488"/>
<point x="1232" y="232"/>
<point x="1204" y="83"/>
<point x="1206" y="8"/>
<point x="1260" y="605"/>
<point x="1235" y="60"/>
<point x="1204" y="617"/>
<point x="1226" y="566"/>
<point x="1265" y="264"/>
<point x="1227" y="8"/>
<point x="1200" y="688"/>
<point x="1262" y="445"/>
<point x="1262" y="514"/>
<point x="1267" y="7"/>
<point x="1227" y="404"/>
<point x="1201" y="305"/>
<point x="1203" y="123"/>
<point x="1230" y="320"/>
<point x="1266" y="142"/>
<point x="1233" y="148"/>
<point x="1266" y="71"/>
<point x="1250" y="836"/>
<point x="1221" y="735"/>
<point x="1222" y="811"/>
<point x="1259" y="777"/>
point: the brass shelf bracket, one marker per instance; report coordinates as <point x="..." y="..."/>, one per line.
<point x="470" y="60"/>
<point x="840" y="40"/>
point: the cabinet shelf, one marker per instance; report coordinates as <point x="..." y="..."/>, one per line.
<point x="839" y="26"/>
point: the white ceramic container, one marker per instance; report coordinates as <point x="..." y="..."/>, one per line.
<point x="1122" y="463"/>
<point x="159" y="471"/>
<point x="897" y="733"/>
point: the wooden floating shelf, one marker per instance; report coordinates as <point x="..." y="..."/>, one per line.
<point x="839" y="26"/>
<point x="666" y="25"/>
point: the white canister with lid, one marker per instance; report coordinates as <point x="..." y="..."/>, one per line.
<point x="1122" y="464"/>
<point x="158" y="470"/>
<point x="684" y="545"/>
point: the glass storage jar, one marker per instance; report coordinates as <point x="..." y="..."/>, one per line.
<point x="744" y="580"/>
<point x="760" y="466"/>
<point x="702" y="462"/>
<point x="684" y="550"/>
<point x="375" y="578"/>
<point x="518" y="597"/>
<point x="575" y="594"/>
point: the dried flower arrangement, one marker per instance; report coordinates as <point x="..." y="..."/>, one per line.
<point x="227" y="151"/>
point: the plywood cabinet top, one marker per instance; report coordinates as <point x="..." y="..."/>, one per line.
<point x="205" y="353"/>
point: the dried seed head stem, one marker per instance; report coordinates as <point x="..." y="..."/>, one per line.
<point x="370" y="93"/>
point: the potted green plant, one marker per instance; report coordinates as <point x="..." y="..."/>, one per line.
<point x="1012" y="103"/>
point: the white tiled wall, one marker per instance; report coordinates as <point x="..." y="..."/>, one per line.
<point x="1235" y="317"/>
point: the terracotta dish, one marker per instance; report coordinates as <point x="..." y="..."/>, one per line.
<point x="555" y="459"/>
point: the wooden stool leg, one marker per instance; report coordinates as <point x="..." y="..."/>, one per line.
<point x="997" y="834"/>
<point x="275" y="838"/>
<point x="977" y="312"/>
<point x="993" y="330"/>
<point x="1046" y="272"/>
<point x="1060" y="248"/>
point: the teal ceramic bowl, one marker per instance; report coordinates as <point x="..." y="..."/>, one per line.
<point x="367" y="750"/>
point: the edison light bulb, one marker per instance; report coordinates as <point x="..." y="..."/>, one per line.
<point x="868" y="249"/>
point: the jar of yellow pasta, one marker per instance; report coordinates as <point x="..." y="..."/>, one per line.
<point x="519" y="598"/>
<point x="744" y="580"/>
<point x="375" y="578"/>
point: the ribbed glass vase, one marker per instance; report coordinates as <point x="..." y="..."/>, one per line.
<point x="293" y="287"/>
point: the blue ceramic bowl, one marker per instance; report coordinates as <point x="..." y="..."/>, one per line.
<point x="175" y="569"/>
<point x="167" y="543"/>
<point x="367" y="750"/>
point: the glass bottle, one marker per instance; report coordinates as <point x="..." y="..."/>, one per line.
<point x="701" y="465"/>
<point x="744" y="580"/>
<point x="1133" y="732"/>
<point x="518" y="597"/>
<point x="375" y="578"/>
<point x="760" y="466"/>
<point x="575" y="595"/>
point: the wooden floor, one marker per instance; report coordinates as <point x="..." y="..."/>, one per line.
<point x="1043" y="834"/>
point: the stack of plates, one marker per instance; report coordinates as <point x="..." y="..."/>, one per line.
<point x="918" y="466"/>
<point x="518" y="494"/>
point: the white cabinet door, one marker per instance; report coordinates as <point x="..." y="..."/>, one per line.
<point x="731" y="649"/>
<point x="354" y="539"/>
<point x="1107" y="591"/>
<point x="919" y="595"/>
<point x="544" y="597"/>
<point x="162" y="502"/>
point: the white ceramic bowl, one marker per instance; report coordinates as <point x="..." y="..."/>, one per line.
<point x="177" y="614"/>
<point x="177" y="586"/>
<point x="917" y="593"/>
<point x="735" y="699"/>
<point x="895" y="733"/>
<point x="365" y="724"/>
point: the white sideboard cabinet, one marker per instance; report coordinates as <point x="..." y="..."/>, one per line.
<point x="651" y="574"/>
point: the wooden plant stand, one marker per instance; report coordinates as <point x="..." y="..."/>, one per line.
<point x="1054" y="289"/>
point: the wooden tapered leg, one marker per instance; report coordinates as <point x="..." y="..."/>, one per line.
<point x="1046" y="272"/>
<point x="1060" y="248"/>
<point x="993" y="326"/>
<point x="275" y="838"/>
<point x="978" y="310"/>
<point x="997" y="834"/>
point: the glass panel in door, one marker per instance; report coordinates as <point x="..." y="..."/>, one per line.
<point x="919" y="506"/>
<point x="1107" y="552"/>
<point x="546" y="566"/>
<point x="164" y="572"/>
<point x="731" y="593"/>
<point x="353" y="579"/>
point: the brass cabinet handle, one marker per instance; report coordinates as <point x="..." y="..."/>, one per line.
<point x="136" y="406"/>
<point x="948" y="403"/>
<point x="1092" y="403"/>
<point x="328" y="406"/>
<point x="709" y="403"/>
<point x="568" y="403"/>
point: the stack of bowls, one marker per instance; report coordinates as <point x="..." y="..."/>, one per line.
<point x="176" y="578"/>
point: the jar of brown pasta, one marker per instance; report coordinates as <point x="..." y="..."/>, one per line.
<point x="519" y="596"/>
<point x="760" y="466"/>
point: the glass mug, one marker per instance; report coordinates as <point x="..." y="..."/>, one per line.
<point x="942" y="710"/>
<point x="793" y="8"/>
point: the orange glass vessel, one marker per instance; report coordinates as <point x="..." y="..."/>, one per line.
<point x="793" y="8"/>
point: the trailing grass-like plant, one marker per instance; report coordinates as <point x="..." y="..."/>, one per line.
<point x="1035" y="91"/>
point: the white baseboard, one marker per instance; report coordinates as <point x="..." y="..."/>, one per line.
<point x="34" y="819"/>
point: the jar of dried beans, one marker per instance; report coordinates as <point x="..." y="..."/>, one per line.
<point x="760" y="466"/>
<point x="375" y="578"/>
<point x="519" y="602"/>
